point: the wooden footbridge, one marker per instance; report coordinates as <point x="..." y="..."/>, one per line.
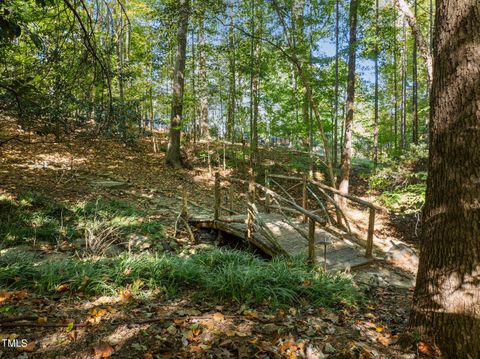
<point x="299" y="215"/>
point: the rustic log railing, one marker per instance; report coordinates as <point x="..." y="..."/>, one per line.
<point x="271" y="201"/>
<point x="309" y="187"/>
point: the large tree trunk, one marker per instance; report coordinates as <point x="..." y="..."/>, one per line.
<point x="347" y="143"/>
<point x="173" y="157"/>
<point x="446" y="302"/>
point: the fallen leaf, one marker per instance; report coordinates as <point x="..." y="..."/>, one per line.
<point x="379" y="329"/>
<point x="250" y="313"/>
<point x="125" y="296"/>
<point x="62" y="287"/>
<point x="27" y="348"/>
<point x="72" y="335"/>
<point x="42" y="319"/>
<point x="20" y="294"/>
<point x="4" y="296"/>
<point x="426" y="349"/>
<point x="219" y="317"/>
<point x="384" y="341"/>
<point x="102" y="350"/>
<point x="147" y="356"/>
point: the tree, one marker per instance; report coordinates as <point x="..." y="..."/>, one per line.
<point x="203" y="79"/>
<point x="446" y="303"/>
<point x="375" y="120"/>
<point x="420" y="39"/>
<point x="347" y="142"/>
<point x="231" y="77"/>
<point x="173" y="157"/>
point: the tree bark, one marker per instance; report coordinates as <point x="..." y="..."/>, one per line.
<point x="446" y="303"/>
<point x="203" y="80"/>
<point x="415" y="89"/>
<point x="337" y="45"/>
<point x="173" y="156"/>
<point x="232" y="69"/>
<point x="347" y="143"/>
<point x="375" y="120"/>
<point x="395" y="84"/>
<point x="417" y="33"/>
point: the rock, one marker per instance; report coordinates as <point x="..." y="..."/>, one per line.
<point x="329" y="349"/>
<point x="402" y="255"/>
<point x="109" y="184"/>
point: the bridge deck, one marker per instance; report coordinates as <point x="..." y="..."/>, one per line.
<point x="341" y="253"/>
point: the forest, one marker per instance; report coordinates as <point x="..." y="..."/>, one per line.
<point x="240" y="179"/>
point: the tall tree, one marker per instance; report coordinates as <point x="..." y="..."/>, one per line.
<point x="375" y="120"/>
<point x="446" y="302"/>
<point x="417" y="34"/>
<point x="173" y="156"/>
<point x="254" y="81"/>
<point x="414" y="88"/>
<point x="395" y="84"/>
<point x="337" y="45"/>
<point x="350" y="103"/>
<point x="231" y="77"/>
<point x="203" y="79"/>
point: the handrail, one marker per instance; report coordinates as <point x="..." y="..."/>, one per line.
<point x="372" y="207"/>
<point x="334" y="190"/>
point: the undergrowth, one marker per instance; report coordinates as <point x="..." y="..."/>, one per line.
<point x="33" y="218"/>
<point x="402" y="182"/>
<point x="217" y="274"/>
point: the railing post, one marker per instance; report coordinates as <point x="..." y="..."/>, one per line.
<point x="311" y="241"/>
<point x="216" y="213"/>
<point x="250" y="204"/>
<point x="304" y="197"/>
<point x="230" y="199"/>
<point x="371" y="225"/>
<point x="184" y="204"/>
<point x="267" y="195"/>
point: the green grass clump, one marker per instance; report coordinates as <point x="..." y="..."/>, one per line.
<point x="217" y="274"/>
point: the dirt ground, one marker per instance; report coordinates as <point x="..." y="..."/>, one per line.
<point x="123" y="326"/>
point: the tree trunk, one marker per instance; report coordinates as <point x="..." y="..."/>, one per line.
<point x="446" y="303"/>
<point x="173" y="157"/>
<point x="203" y="80"/>
<point x="232" y="88"/>
<point x="417" y="34"/>
<point x="254" y="54"/>
<point x="337" y="45"/>
<point x="403" y="119"/>
<point x="375" y="121"/>
<point x="347" y="143"/>
<point x="415" y="89"/>
<point x="395" y="85"/>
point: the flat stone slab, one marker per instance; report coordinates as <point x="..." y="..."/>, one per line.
<point x="109" y="183"/>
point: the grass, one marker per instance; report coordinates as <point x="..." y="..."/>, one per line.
<point x="33" y="217"/>
<point x="218" y="275"/>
